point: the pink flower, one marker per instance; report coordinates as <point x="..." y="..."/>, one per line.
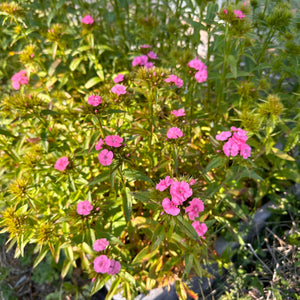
<point x="152" y="55"/>
<point x="196" y="206"/>
<point x="114" y="267"/>
<point x="100" y="244"/>
<point x="164" y="183"/>
<point x="180" y="191"/>
<point x="239" y="14"/>
<point x="19" y="79"/>
<point x="200" y="228"/>
<point x="61" y="163"/>
<point x="101" y="264"/>
<point x="87" y="20"/>
<point x="140" y="60"/>
<point x="99" y="145"/>
<point x="201" y="75"/>
<point x="178" y="113"/>
<point x="94" y="100"/>
<point x="245" y="151"/>
<point x="84" y="208"/>
<point x="119" y="78"/>
<point x="192" y="182"/>
<point x="176" y="80"/>
<point x="223" y="136"/>
<point x="170" y="207"/>
<point x="174" y="133"/>
<point x="225" y="11"/>
<point x="197" y="64"/>
<point x="145" y="46"/>
<point x="149" y="65"/>
<point x="113" y="141"/>
<point x="105" y="157"/>
<point x="119" y="89"/>
<point x="231" y="148"/>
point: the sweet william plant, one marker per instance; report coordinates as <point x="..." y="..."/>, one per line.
<point x="124" y="157"/>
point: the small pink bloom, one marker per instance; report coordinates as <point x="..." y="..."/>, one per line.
<point x="192" y="181"/>
<point x="145" y="46"/>
<point x="94" y="100"/>
<point x="239" y="14"/>
<point x="200" y="228"/>
<point x="176" y="80"/>
<point x="201" y="75"/>
<point x="174" y="133"/>
<point x="113" y="141"/>
<point x="196" y="206"/>
<point x="223" y="136"/>
<point x="114" y="267"/>
<point x="119" y="78"/>
<point x="178" y="113"/>
<point x="19" y="79"/>
<point x="180" y="191"/>
<point x="93" y="279"/>
<point x="105" y="157"/>
<point x="100" y="244"/>
<point x="225" y="11"/>
<point x="84" y="208"/>
<point x="164" y="183"/>
<point x="152" y="55"/>
<point x="245" y="151"/>
<point x="140" y="60"/>
<point x="231" y="148"/>
<point x="149" y="65"/>
<point x="197" y="64"/>
<point x="61" y="163"/>
<point x="101" y="264"/>
<point x="99" y="145"/>
<point x="119" y="89"/>
<point x="87" y="20"/>
<point x="170" y="207"/>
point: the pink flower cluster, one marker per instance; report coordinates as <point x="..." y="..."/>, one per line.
<point x="100" y="244"/>
<point x="178" y="113"/>
<point x="18" y="79"/>
<point x="143" y="59"/>
<point x="180" y="191"/>
<point x="102" y="264"/>
<point x="119" y="89"/>
<point x="87" y="20"/>
<point x="61" y="164"/>
<point x="176" y="80"/>
<point x="200" y="67"/>
<point x="239" y="14"/>
<point x="94" y="100"/>
<point x="174" y="133"/>
<point x="105" y="156"/>
<point x="119" y="78"/>
<point x="84" y="208"/>
<point x="236" y="142"/>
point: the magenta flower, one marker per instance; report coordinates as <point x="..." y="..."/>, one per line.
<point x="87" y="20"/>
<point x="197" y="64"/>
<point x="201" y="75"/>
<point x="192" y="182"/>
<point x="113" y="141"/>
<point x="114" y="267"/>
<point x="61" y="163"/>
<point x="180" y="191"/>
<point x="170" y="207"/>
<point x="140" y="60"/>
<point x="99" y="145"/>
<point x="152" y="55"/>
<point x="200" y="228"/>
<point x="149" y="65"/>
<point x="101" y="264"/>
<point x="223" y="136"/>
<point x="84" y="208"/>
<point x="145" y="46"/>
<point x="164" y="183"/>
<point x="231" y="148"/>
<point x="100" y="244"/>
<point x="239" y="14"/>
<point x="178" y="113"/>
<point x="196" y="206"/>
<point x="245" y="151"/>
<point x="174" y="133"/>
<point x="119" y="78"/>
<point x="119" y="89"/>
<point x="94" y="100"/>
<point x="105" y="157"/>
<point x="176" y="80"/>
<point x="19" y="79"/>
<point x="225" y="11"/>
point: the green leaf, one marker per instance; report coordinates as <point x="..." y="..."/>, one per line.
<point x="6" y="133"/>
<point x="93" y="81"/>
<point x="215" y="163"/>
<point x="75" y="63"/>
<point x="187" y="228"/>
<point x="46" y="112"/>
<point x="99" y="284"/>
<point x="113" y="288"/>
<point x="235" y="207"/>
<point x="102" y="177"/>
<point x="282" y="155"/>
<point x="158" y="236"/>
<point x="144" y="255"/>
<point x="233" y="64"/>
<point x="40" y="257"/>
<point x="127" y="203"/>
<point x="136" y="175"/>
<point x="188" y="262"/>
<point x="66" y="267"/>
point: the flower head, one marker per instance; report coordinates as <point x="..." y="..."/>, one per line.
<point x="197" y="64"/>
<point x="101" y="264"/>
<point x="152" y="55"/>
<point x="100" y="244"/>
<point x="94" y="100"/>
<point x="145" y="46"/>
<point x="164" y="184"/>
<point x="174" y="133"/>
<point x="140" y="60"/>
<point x="180" y="191"/>
<point x="178" y="113"/>
<point x="239" y="14"/>
<point x="200" y="228"/>
<point x="99" y="145"/>
<point x="84" y="208"/>
<point x="87" y="20"/>
<point x="176" y="80"/>
<point x="105" y="157"/>
<point x="118" y="78"/>
<point x="113" y="141"/>
<point x="196" y="206"/>
<point x="114" y="267"/>
<point x="170" y="207"/>
<point x="201" y="75"/>
<point x="223" y="136"/>
<point x="61" y="164"/>
<point x="119" y="89"/>
<point x="19" y="79"/>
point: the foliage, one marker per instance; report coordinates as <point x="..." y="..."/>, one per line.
<point x="252" y="83"/>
